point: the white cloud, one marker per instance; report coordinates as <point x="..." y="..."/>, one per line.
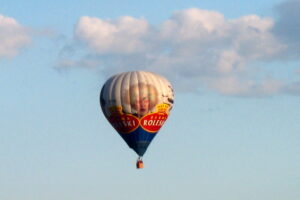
<point x="195" y="48"/>
<point x="125" y="35"/>
<point x="13" y="37"/>
<point x="192" y="24"/>
<point x="233" y="86"/>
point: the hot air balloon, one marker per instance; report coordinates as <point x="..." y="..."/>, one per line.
<point x="137" y="104"/>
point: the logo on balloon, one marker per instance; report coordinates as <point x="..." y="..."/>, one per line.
<point x="124" y="123"/>
<point x="127" y="123"/>
<point x="153" y="122"/>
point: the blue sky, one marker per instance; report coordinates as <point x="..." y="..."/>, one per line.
<point x="233" y="133"/>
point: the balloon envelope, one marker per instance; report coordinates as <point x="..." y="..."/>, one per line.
<point x="137" y="104"/>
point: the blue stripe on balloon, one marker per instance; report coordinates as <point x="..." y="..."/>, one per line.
<point x="138" y="140"/>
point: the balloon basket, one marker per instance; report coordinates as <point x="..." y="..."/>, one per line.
<point x="139" y="164"/>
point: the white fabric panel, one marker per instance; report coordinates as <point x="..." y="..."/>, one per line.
<point x="127" y="88"/>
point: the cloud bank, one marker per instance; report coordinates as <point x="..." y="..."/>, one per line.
<point x="13" y="37"/>
<point x="287" y="27"/>
<point x="197" y="49"/>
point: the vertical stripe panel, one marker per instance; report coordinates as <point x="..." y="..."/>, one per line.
<point x="125" y="95"/>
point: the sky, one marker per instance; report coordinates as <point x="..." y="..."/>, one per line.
<point x="233" y="133"/>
